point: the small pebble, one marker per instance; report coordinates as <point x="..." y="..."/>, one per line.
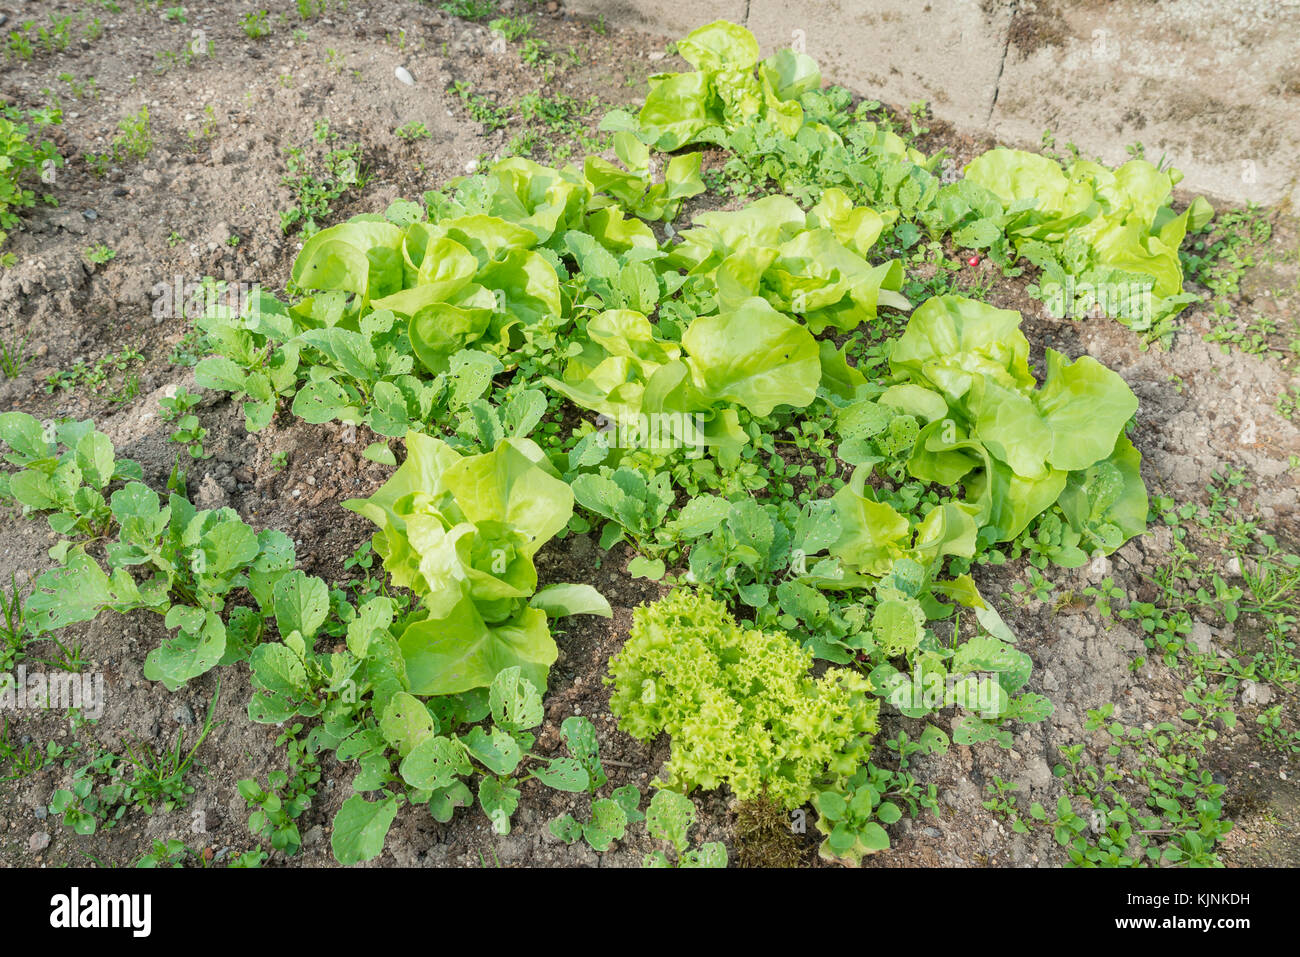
<point x="38" y="841"/>
<point x="404" y="76"/>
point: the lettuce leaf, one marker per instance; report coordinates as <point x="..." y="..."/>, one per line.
<point x="462" y="532"/>
<point x="1104" y="238"/>
<point x="1016" y="447"/>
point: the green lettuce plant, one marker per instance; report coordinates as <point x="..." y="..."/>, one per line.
<point x="852" y="819"/>
<point x="250" y="359"/>
<point x="633" y="188"/>
<point x="810" y="264"/>
<point x="751" y="356"/>
<point x="402" y="319"/>
<point x="1103" y="237"/>
<point x="184" y="563"/>
<point x="729" y="85"/>
<point x="461" y="532"/>
<point x="791" y="566"/>
<point x="435" y="764"/>
<point x="1018" y="448"/>
<point x="739" y="704"/>
<point x="191" y="563"/>
<point x="669" y="818"/>
<point x="634" y="504"/>
<point x="64" y="470"/>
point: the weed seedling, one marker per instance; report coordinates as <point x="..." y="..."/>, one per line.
<point x="316" y="185"/>
<point x="13" y="357"/>
<point x="412" y="131"/>
<point x="100" y="254"/>
<point x="255" y="25"/>
<point x="468" y="9"/>
<point x="159" y="777"/>
<point x="13" y="631"/>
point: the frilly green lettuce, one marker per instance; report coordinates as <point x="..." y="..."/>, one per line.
<point x="739" y="703"/>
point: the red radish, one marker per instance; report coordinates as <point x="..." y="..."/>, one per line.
<point x="973" y="261"/>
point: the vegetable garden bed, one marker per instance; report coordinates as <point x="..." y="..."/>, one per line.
<point x="468" y="435"/>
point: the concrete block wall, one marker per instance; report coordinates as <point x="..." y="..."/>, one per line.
<point x="1214" y="85"/>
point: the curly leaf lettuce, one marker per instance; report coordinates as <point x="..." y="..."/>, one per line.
<point x="739" y="703"/>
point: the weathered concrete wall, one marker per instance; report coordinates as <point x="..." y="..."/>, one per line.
<point x="1212" y="84"/>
